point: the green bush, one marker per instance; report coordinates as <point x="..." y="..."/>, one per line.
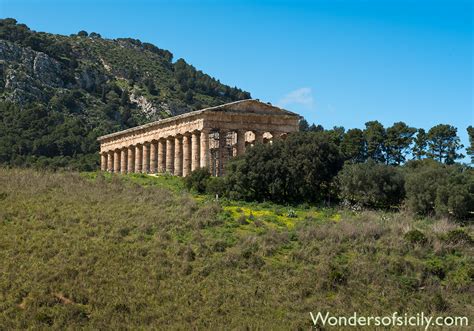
<point x="433" y="188"/>
<point x="435" y="267"/>
<point x="456" y="197"/>
<point x="421" y="183"/>
<point x="415" y="237"/>
<point x="297" y="169"/>
<point x="215" y="186"/>
<point x="371" y="184"/>
<point x="197" y="180"/>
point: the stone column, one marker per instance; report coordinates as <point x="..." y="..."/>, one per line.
<point x="123" y="161"/>
<point x="178" y="156"/>
<point x="186" y="155"/>
<point x="110" y="161"/>
<point x="161" y="156"/>
<point x="103" y="161"/>
<point x="240" y="142"/>
<point x="258" y="137"/>
<point x="195" y="152"/>
<point x="153" y="150"/>
<point x="204" y="148"/>
<point x="138" y="158"/>
<point x="146" y="158"/>
<point x="222" y="151"/>
<point x="131" y="159"/>
<point x="116" y="161"/>
<point x="170" y="155"/>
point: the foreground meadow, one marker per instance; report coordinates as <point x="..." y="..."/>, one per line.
<point x="126" y="252"/>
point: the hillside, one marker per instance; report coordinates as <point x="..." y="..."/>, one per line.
<point x="67" y="90"/>
<point x="97" y="251"/>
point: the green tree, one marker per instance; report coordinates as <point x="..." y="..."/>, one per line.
<point x="124" y="98"/>
<point x="197" y="180"/>
<point x="103" y="94"/>
<point x="375" y="136"/>
<point x="439" y="189"/>
<point x="316" y="128"/>
<point x="470" y="149"/>
<point x="399" y="137"/>
<point x="444" y="143"/>
<point x="336" y="134"/>
<point x="304" y="125"/>
<point x="189" y="96"/>
<point x="456" y="197"/>
<point x="354" y="146"/>
<point x="422" y="180"/>
<point x="36" y="134"/>
<point x="420" y="143"/>
<point x="371" y="184"/>
<point x="126" y="118"/>
<point x="150" y="85"/>
<point x="297" y="169"/>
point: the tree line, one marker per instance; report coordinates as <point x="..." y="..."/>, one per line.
<point x="398" y="143"/>
<point x="356" y="169"/>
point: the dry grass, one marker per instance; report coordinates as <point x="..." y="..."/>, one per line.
<point x="125" y="253"/>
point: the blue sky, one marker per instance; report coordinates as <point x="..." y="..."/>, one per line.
<point x="336" y="62"/>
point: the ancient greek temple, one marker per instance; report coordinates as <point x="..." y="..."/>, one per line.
<point x="202" y="138"/>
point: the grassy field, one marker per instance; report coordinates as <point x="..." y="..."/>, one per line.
<point x="98" y="251"/>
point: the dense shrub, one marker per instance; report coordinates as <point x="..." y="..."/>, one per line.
<point x="371" y="184"/>
<point x="422" y="181"/>
<point x="297" y="169"/>
<point x="415" y="237"/>
<point x="456" y="196"/>
<point x="433" y="188"/>
<point x="197" y="180"/>
<point x="216" y="186"/>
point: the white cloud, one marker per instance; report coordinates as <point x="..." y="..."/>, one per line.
<point x="302" y="96"/>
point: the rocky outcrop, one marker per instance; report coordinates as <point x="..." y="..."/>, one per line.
<point x="88" y="78"/>
<point x="89" y="73"/>
<point x="36" y="65"/>
<point x="46" y="70"/>
<point x="147" y="107"/>
<point x="28" y="74"/>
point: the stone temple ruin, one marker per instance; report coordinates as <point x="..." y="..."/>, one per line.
<point x="202" y="138"/>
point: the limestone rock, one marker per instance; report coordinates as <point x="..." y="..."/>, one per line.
<point x="28" y="74"/>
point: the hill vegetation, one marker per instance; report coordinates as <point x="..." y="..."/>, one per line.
<point x="59" y="93"/>
<point x="101" y="251"/>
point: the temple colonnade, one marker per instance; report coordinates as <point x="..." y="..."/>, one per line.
<point x="198" y="139"/>
<point x="179" y="155"/>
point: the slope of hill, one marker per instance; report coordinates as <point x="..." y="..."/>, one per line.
<point x="97" y="251"/>
<point x="67" y="90"/>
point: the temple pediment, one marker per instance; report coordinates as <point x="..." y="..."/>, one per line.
<point x="251" y="106"/>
